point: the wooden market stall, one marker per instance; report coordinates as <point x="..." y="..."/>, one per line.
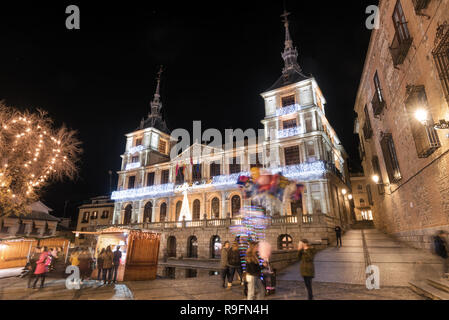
<point x="140" y="251"/>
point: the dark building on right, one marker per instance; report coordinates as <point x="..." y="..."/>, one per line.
<point x="402" y="107"/>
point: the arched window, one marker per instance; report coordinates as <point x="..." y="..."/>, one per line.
<point x="192" y="247"/>
<point x="171" y="247"/>
<point x="196" y="209"/>
<point x="148" y="212"/>
<point x="128" y="214"/>
<point x="235" y="204"/>
<point x="163" y="212"/>
<point x="178" y="209"/>
<point x="215" y="247"/>
<point x="285" y="242"/>
<point x="215" y="208"/>
<point x="295" y="205"/>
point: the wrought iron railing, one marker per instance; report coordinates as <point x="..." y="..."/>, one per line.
<point x="378" y="105"/>
<point x="399" y="49"/>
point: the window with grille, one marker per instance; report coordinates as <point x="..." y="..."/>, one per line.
<point x="441" y="56"/>
<point x="285" y="242"/>
<point x="215" y="208"/>
<point x="288" y="101"/>
<point x="150" y="179"/>
<point x="215" y="169"/>
<point x="378" y="101"/>
<point x="367" y="129"/>
<point x="165" y="176"/>
<point x="162" y="146"/>
<point x="292" y="155"/>
<point x="234" y="167"/>
<point x="402" y="40"/>
<point x="135" y="159"/>
<point x="163" y="212"/>
<point x="370" y="195"/>
<point x="197" y="172"/>
<point x="196" y="209"/>
<point x="425" y="136"/>
<point x="131" y="182"/>
<point x="390" y="157"/>
<point x="288" y="124"/>
<point x="378" y="172"/>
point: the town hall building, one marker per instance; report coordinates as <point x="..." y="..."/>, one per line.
<point x="194" y="209"/>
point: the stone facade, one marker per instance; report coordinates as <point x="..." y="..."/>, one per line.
<point x="362" y="201"/>
<point x="411" y="200"/>
<point x="204" y="201"/>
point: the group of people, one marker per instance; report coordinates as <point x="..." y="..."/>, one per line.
<point x="230" y="263"/>
<point x="107" y="263"/>
<point x="40" y="263"/>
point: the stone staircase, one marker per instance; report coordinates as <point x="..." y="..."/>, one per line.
<point x="362" y="225"/>
<point x="432" y="288"/>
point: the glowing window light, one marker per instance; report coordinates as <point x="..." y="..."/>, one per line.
<point x="136" y="149"/>
<point x="288" y="110"/>
<point x="134" y="165"/>
<point x="153" y="191"/>
<point x="290" y="132"/>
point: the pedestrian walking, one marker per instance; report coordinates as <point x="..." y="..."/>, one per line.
<point x="31" y="265"/>
<point x="42" y="267"/>
<point x="85" y="264"/>
<point x="116" y="262"/>
<point x="100" y="264"/>
<point x="108" y="256"/>
<point x="253" y="273"/>
<point x="306" y="266"/>
<point x="224" y="263"/>
<point x="74" y="261"/>
<point x="338" y="234"/>
<point x="234" y="264"/>
<point x="441" y="249"/>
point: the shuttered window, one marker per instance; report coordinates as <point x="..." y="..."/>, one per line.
<point x="390" y="157"/>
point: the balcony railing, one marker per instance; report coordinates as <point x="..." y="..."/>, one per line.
<point x="399" y="49"/>
<point x="378" y="106"/>
<point x="420" y="5"/>
<point x="291" y="132"/>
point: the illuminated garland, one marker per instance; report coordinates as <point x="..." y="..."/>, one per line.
<point x="136" y="149"/>
<point x="133" y="165"/>
<point x="286" y="133"/>
<point x="287" y="110"/>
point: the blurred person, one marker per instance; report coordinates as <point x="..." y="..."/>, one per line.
<point x="74" y="261"/>
<point x="306" y="255"/>
<point x="116" y="262"/>
<point x="234" y="264"/>
<point x="42" y="267"/>
<point x="441" y="249"/>
<point x="31" y="265"/>
<point x="100" y="264"/>
<point x="224" y="263"/>
<point x="85" y="264"/>
<point x="108" y="256"/>
<point x="338" y="234"/>
<point x="253" y="273"/>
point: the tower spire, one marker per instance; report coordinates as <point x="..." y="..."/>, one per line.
<point x="290" y="54"/>
<point x="156" y="104"/>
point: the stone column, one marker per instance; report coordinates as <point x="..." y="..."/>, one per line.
<point x="309" y="199"/>
<point x="324" y="208"/>
<point x="204" y="207"/>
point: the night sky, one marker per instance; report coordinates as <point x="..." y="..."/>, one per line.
<point x="218" y="57"/>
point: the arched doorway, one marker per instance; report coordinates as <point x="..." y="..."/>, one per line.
<point x="128" y="214"/>
<point x="236" y="205"/>
<point x="215" y="247"/>
<point x="215" y="208"/>
<point x="163" y="212"/>
<point x="178" y="209"/>
<point x="171" y="247"/>
<point x="196" y="210"/>
<point x="192" y="247"/>
<point x="148" y="212"/>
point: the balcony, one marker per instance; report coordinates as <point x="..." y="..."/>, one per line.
<point x="399" y="49"/>
<point x="378" y="106"/>
<point x="367" y="131"/>
<point x="290" y="132"/>
<point x="287" y="110"/>
<point x="136" y="149"/>
<point x="420" y="5"/>
<point x="132" y="166"/>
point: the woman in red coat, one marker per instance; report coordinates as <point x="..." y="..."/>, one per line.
<point x="42" y="267"/>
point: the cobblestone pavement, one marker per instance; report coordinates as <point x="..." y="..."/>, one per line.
<point x="207" y="288"/>
<point x="397" y="263"/>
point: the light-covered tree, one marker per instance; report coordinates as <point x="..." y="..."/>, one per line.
<point x="33" y="153"/>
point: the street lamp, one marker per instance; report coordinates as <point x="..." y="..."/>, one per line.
<point x="350" y="197"/>
<point x="344" y="191"/>
<point x="376" y="180"/>
<point x="422" y="116"/>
